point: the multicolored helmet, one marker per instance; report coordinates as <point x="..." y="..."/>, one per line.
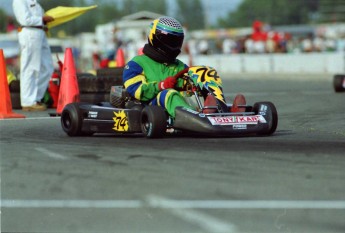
<point x="166" y="36"/>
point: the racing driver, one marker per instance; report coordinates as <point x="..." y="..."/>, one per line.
<point x="149" y="77"/>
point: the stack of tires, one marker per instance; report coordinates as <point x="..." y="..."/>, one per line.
<point x="15" y="94"/>
<point x="96" y="89"/>
<point x="92" y="88"/>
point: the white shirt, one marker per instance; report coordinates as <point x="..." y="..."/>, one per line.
<point x="28" y="12"/>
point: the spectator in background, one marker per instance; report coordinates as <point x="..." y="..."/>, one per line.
<point x="341" y="43"/>
<point x="36" y="63"/>
<point x="271" y="44"/>
<point x="240" y="45"/>
<point x="259" y="37"/>
<point x="330" y="43"/>
<point x="319" y="43"/>
<point x="96" y="55"/>
<point x="11" y="26"/>
<point x="282" y="42"/>
<point x="118" y="35"/>
<point x="259" y="46"/>
<point x="229" y="46"/>
<point x="140" y="43"/>
<point x="249" y="45"/>
<point x="307" y="44"/>
<point x="192" y="46"/>
<point x="203" y="47"/>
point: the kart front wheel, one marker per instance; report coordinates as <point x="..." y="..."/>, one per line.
<point x="269" y="112"/>
<point x="153" y="121"/>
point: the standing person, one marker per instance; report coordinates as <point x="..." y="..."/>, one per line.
<point x="36" y="64"/>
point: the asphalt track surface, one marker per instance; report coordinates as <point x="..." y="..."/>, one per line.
<point x="292" y="181"/>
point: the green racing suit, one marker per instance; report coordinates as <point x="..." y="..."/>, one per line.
<point x="141" y="77"/>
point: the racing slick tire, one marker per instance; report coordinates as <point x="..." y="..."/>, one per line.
<point x="14" y="88"/>
<point x="269" y="111"/>
<point x="134" y="105"/>
<point x="72" y="121"/>
<point x="338" y="81"/>
<point x="153" y="121"/>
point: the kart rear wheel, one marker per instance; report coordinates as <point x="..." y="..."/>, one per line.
<point x="338" y="81"/>
<point x="269" y="111"/>
<point x="153" y="121"/>
<point x="71" y="120"/>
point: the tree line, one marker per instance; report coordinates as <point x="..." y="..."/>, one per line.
<point x="285" y="12"/>
<point x="192" y="14"/>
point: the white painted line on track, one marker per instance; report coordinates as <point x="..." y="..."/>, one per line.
<point x="42" y="118"/>
<point x="51" y="154"/>
<point x="176" y="204"/>
<point x="181" y="208"/>
<point x="104" y="204"/>
<point x="249" y="204"/>
<point x="206" y="222"/>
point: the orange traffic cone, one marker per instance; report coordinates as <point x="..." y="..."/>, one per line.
<point x="69" y="89"/>
<point x="120" y="58"/>
<point x="5" y="98"/>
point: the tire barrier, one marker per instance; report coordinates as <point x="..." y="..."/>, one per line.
<point x="92" y="88"/>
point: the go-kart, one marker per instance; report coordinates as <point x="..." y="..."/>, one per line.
<point x="123" y="114"/>
<point x="339" y="82"/>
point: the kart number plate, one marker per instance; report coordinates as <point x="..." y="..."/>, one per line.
<point x="120" y="121"/>
<point x="237" y="120"/>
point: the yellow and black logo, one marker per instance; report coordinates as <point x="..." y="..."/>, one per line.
<point x="120" y="121"/>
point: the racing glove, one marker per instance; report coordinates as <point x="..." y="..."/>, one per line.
<point x="46" y="19"/>
<point x="167" y="83"/>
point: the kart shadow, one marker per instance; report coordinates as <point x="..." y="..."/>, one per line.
<point x="278" y="133"/>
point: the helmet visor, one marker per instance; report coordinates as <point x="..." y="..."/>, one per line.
<point x="171" y="41"/>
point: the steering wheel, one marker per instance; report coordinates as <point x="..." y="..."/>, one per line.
<point x="181" y="73"/>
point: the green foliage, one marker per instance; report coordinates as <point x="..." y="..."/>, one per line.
<point x="331" y="11"/>
<point x="84" y="23"/>
<point x="48" y="4"/>
<point x="3" y="20"/>
<point x="133" y="6"/>
<point x="273" y="12"/>
<point x="106" y="11"/>
<point x="191" y="14"/>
